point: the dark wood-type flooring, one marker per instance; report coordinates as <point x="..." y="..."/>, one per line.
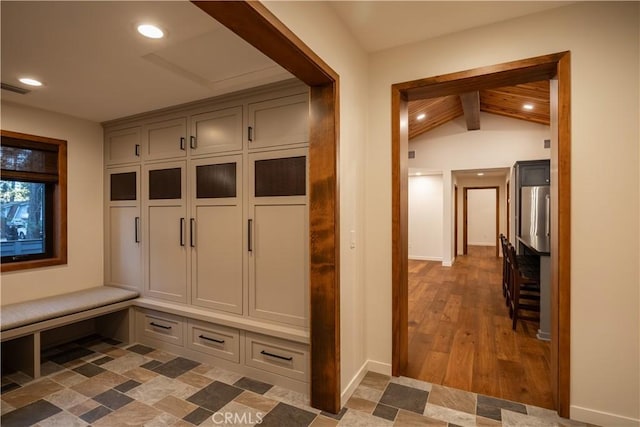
<point x="460" y="333"/>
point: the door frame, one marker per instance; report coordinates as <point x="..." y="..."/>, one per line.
<point x="555" y="66"/>
<point x="455" y="223"/>
<point x="254" y="23"/>
<point x="465" y="212"/>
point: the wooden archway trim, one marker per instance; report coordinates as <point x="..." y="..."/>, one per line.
<point x="254" y="23"/>
<point x="547" y="67"/>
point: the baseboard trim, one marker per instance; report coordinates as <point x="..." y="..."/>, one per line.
<point x="601" y="418"/>
<point x="425" y="258"/>
<point x="369" y="365"/>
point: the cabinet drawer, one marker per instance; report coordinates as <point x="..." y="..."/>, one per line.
<point x="161" y="326"/>
<point x="215" y="340"/>
<point x="278" y="356"/>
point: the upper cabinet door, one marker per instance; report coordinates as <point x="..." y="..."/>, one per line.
<point x="279" y="122"/>
<point x="166" y="139"/>
<point x="534" y="174"/>
<point x="216" y="131"/>
<point x="122" y="146"/>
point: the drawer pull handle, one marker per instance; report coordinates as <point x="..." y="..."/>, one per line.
<point x="159" y="326"/>
<point x="266" y="353"/>
<point x="182" y="143"/>
<point x="212" y="339"/>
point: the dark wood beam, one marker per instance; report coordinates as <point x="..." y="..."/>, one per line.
<point x="471" y="107"/>
<point x="254" y="23"/>
<point x="493" y="76"/>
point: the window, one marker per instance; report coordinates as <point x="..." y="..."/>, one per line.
<point x="33" y="201"/>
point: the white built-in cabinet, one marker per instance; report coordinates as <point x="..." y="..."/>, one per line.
<point x="123" y="252"/>
<point x="207" y="216"/>
<point x="165" y="223"/>
<point x="216" y="131"/>
<point x="265" y="127"/>
<point x="216" y="233"/>
<point x="123" y="145"/>
<point x="278" y="223"/>
<point x="165" y="138"/>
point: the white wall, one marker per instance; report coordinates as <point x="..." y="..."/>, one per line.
<point x="317" y="25"/>
<point x="481" y="217"/>
<point x="84" y="205"/>
<point x="499" y="143"/>
<point x="603" y="40"/>
<point x="425" y="217"/>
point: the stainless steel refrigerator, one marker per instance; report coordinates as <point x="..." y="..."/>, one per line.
<point x="535" y="211"/>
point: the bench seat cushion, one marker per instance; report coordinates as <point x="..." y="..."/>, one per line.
<point x="29" y="312"/>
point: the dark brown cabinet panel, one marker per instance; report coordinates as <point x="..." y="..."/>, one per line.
<point x="216" y="181"/>
<point x="123" y="186"/>
<point x="165" y="184"/>
<point x="280" y="177"/>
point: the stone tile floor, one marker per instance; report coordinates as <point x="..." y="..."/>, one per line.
<point x="101" y="382"/>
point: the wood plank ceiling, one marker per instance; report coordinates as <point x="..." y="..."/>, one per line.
<point x="506" y="101"/>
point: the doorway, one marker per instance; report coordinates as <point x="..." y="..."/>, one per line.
<point x="554" y="67"/>
<point x="255" y="24"/>
<point x="482" y="225"/>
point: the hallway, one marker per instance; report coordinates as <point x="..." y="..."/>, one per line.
<point x="460" y="333"/>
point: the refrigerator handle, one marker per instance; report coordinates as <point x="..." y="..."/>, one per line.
<point x="547" y="200"/>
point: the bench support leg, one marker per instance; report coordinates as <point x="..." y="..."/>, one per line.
<point x="24" y="354"/>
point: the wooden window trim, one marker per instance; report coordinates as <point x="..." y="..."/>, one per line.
<point x="59" y="207"/>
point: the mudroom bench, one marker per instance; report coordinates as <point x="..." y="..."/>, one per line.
<point x="29" y="327"/>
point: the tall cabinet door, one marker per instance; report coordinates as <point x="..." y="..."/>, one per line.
<point x="278" y="242"/>
<point x="165" y="217"/>
<point x="123" y="266"/>
<point x="216" y="233"/>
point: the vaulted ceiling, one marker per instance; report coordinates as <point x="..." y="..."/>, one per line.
<point x="509" y="101"/>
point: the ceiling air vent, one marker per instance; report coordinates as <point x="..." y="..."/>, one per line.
<point x="412" y="154"/>
<point x="16" y="89"/>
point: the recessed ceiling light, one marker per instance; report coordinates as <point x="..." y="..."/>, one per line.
<point x="418" y="173"/>
<point x="480" y="173"/>
<point x="421" y="116"/>
<point x="150" y="31"/>
<point x="30" y="81"/>
<point x="528" y="107"/>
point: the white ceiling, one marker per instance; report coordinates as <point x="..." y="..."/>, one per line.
<point x="381" y="25"/>
<point x="95" y="66"/>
